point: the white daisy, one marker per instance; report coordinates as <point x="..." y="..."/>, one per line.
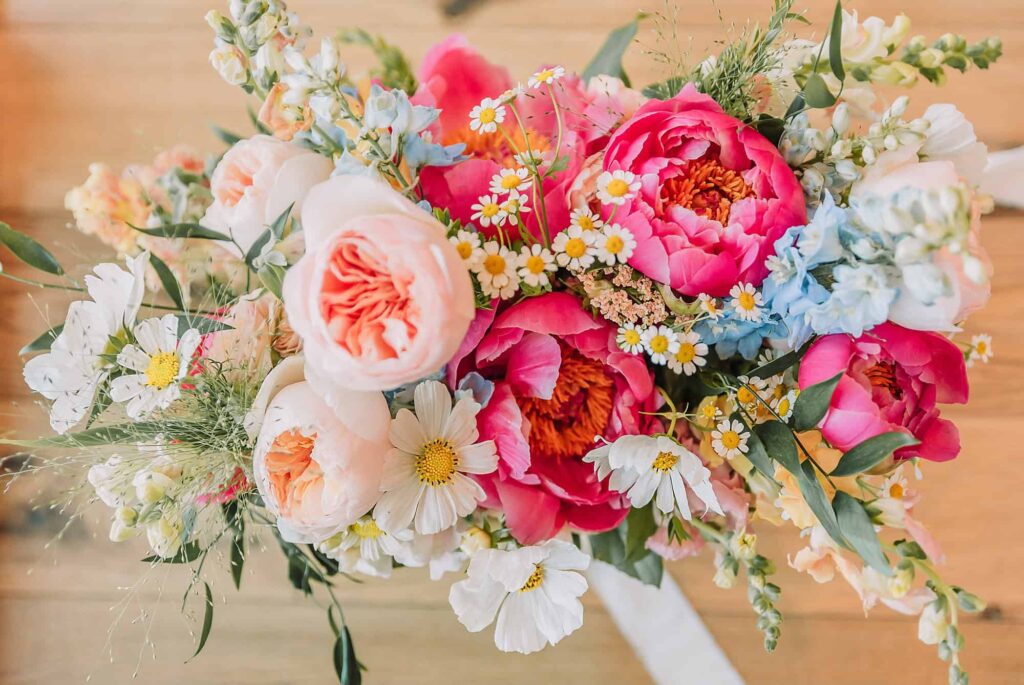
<point x="514" y="207"/>
<point x="663" y="469"/>
<point x="496" y="270"/>
<point x="616" y="187"/>
<point x="532" y="592"/>
<point x="160" y="361"/>
<point x="512" y="93"/>
<point x="749" y="390"/>
<point x="586" y="219"/>
<point x="746" y="301"/>
<point x="709" y="306"/>
<point x="535" y="263"/>
<point x="467" y="244"/>
<point x="729" y="439"/>
<point x="691" y="354"/>
<point x="615" y="245"/>
<point x="73" y="369"/>
<point x="660" y="342"/>
<point x="485" y="117"/>
<point x="574" y="248"/>
<point x="546" y="76"/>
<point x="530" y="159"/>
<point x="487" y="211"/>
<point x="364" y="547"/>
<point x="981" y="349"/>
<point x="783" y="405"/>
<point x="630" y="338"/>
<point x="507" y="180"/>
<point x="425" y="483"/>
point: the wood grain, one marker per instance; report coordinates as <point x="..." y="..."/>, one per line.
<point x="114" y="81"/>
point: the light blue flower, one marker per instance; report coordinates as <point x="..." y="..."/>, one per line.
<point x="731" y="335"/>
<point x="860" y="300"/>
<point x="818" y="242"/>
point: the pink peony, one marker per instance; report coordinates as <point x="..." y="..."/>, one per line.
<point x="381" y="298"/>
<point x="559" y="382"/>
<point x="892" y="379"/>
<point x="714" y="197"/>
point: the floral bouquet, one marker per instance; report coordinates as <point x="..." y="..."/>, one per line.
<point x="503" y="329"/>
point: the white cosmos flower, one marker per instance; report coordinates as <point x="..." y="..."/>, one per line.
<point x="663" y="469"/>
<point x="425" y="482"/>
<point x="364" y="547"/>
<point x="532" y="592"/>
<point x="691" y="354"/>
<point x="71" y="372"/>
<point x="615" y="244"/>
<point x="160" y="360"/>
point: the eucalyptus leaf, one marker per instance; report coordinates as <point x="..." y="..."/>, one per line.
<point x="835" y="44"/>
<point x="167" y="279"/>
<point x="781" y="364"/>
<point x="29" y="250"/>
<point x="758" y="454"/>
<point x="872" y="451"/>
<point x="812" y="403"/>
<point x="345" y="662"/>
<point x="201" y="323"/>
<point x="227" y="137"/>
<point x="817" y="500"/>
<point x="257" y="247"/>
<point x="608" y="60"/>
<point x="43" y="342"/>
<point x="816" y="93"/>
<point x="278" y="225"/>
<point x="858" y="530"/>
<point x="185" y="230"/>
<point x="780" y="444"/>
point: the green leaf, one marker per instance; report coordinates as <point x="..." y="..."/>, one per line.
<point x="345" y="664"/>
<point x="394" y="70"/>
<point x="281" y="222"/>
<point x="186" y="230"/>
<point x="257" y="247"/>
<point x="816" y="94"/>
<point x="207" y="621"/>
<point x="105" y="435"/>
<point x="272" y="278"/>
<point x="872" y="451"/>
<point x="777" y="366"/>
<point x="29" y="251"/>
<point x="610" y="548"/>
<point x="227" y="137"/>
<point x="817" y="500"/>
<point x="835" y="44"/>
<point x="168" y="280"/>
<point x="608" y="59"/>
<point x="201" y="323"/>
<point x="649" y="570"/>
<point x="856" y="527"/>
<point x="640" y="525"/>
<point x="237" y="558"/>
<point x="758" y="454"/>
<point x="780" y="444"/>
<point x="43" y="342"/>
<point x="795" y="107"/>
<point x="812" y="403"/>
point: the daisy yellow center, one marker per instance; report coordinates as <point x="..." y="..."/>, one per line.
<point x="465" y="249"/>
<point x="896" y="491"/>
<point x="494" y="264"/>
<point x="981" y="347"/>
<point x="617" y="187"/>
<point x="162" y="370"/>
<point x="783" y="406"/>
<point x="490" y="209"/>
<point x="730" y="440"/>
<point x="535" y="579"/>
<point x="488" y="115"/>
<point x="746" y="300"/>
<point x="614" y="244"/>
<point x="512" y="206"/>
<point x="535" y="264"/>
<point x="664" y="461"/>
<point x="510" y="181"/>
<point x="686" y="353"/>
<point x="709" y="411"/>
<point x="744" y="396"/>
<point x="659" y="344"/>
<point x="631" y="337"/>
<point x="575" y="248"/>
<point x="587" y="224"/>
<point x="545" y="75"/>
<point x="367" y="529"/>
<point x="436" y="464"/>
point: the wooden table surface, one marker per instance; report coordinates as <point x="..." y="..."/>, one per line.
<point x="115" y="80"/>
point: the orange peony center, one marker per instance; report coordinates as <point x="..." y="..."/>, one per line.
<point x="707" y="188"/>
<point x="580" y="406"/>
<point x="883" y="375"/>
<point x="495" y="147"/>
<point x="291" y="470"/>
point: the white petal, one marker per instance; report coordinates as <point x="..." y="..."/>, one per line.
<point x="479" y="458"/>
<point x="461" y="427"/>
<point x="433" y="405"/>
<point x="565" y="556"/>
<point x="516" y="629"/>
<point x="406" y="433"/>
<point x="476" y="601"/>
<point x="664" y="500"/>
<point x="644" y="488"/>
<point x="436" y="511"/>
<point x="149" y="335"/>
<point x="399" y="468"/>
<point x="132" y="357"/>
<point x="395" y="509"/>
<point x="465" y="493"/>
<point x="124" y="388"/>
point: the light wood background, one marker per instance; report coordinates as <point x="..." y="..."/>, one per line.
<point x="115" y="80"/>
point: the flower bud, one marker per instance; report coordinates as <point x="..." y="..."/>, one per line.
<point x="229" y="63"/>
<point x="475" y="539"/>
<point x="724" y="578"/>
<point x="841" y="119"/>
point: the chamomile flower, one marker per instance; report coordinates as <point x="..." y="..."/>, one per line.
<point x="496" y="271"/>
<point x="546" y="76"/>
<point x="514" y="207"/>
<point x="746" y="301"/>
<point x="160" y="360"/>
<point x="364" y="547"/>
<point x="691" y="354"/>
<point x="709" y="306"/>
<point x="512" y="93"/>
<point x="530" y="159"/>
<point x="467" y="244"/>
<point x="586" y="219"/>
<point x="630" y="338"/>
<point x="485" y="117"/>
<point x="614" y="245"/>
<point x="425" y="481"/>
<point x="661" y="343"/>
<point x="616" y="187"/>
<point x="729" y="439"/>
<point x="749" y="390"/>
<point x="574" y="248"/>
<point x="708" y="412"/>
<point x="508" y="180"/>
<point x="664" y="470"/>
<point x="981" y="349"/>
<point x="783" y="405"/>
<point x="487" y="211"/>
<point x="535" y="262"/>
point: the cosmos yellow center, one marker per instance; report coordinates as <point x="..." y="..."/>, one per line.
<point x="436" y="465"/>
<point x="575" y="248"/>
<point x="659" y="344"/>
<point x="494" y="264"/>
<point x="488" y="115"/>
<point x="535" y="579"/>
<point x="731" y="440"/>
<point x="464" y="249"/>
<point x="686" y="353"/>
<point x="510" y="181"/>
<point x="614" y="244"/>
<point x="664" y="461"/>
<point x="534" y="264"/>
<point x="367" y="529"/>
<point x="631" y="337"/>
<point x="617" y="187"/>
<point x="162" y="369"/>
<point x="746" y="300"/>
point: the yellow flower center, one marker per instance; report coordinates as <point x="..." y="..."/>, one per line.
<point x="783" y="409"/>
<point x="659" y="344"/>
<point x="746" y="300"/>
<point x="494" y="264"/>
<point x="534" y="264"/>
<point x="614" y="244"/>
<point x="490" y="209"/>
<point x="896" y="491"/>
<point x="366" y="529"/>
<point x="436" y="465"/>
<point x="575" y="248"/>
<point x="512" y="206"/>
<point x="664" y="461"/>
<point x="617" y="187"/>
<point x="709" y="411"/>
<point x="981" y="347"/>
<point x="510" y="181"/>
<point x="535" y="579"/>
<point x="162" y="369"/>
<point x="730" y="440"/>
<point x="586" y="223"/>
<point x="630" y="336"/>
<point x="488" y="115"/>
<point x="744" y="396"/>
<point x="545" y="75"/>
<point x="686" y="353"/>
<point x="465" y="249"/>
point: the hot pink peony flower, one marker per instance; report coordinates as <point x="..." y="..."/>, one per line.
<point x="559" y="382"/>
<point x="892" y="379"/>
<point x="714" y="197"/>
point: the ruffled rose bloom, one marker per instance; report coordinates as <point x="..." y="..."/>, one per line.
<point x="318" y="469"/>
<point x="559" y="381"/>
<point x="256" y="181"/>
<point x="715" y="194"/>
<point x="381" y="298"/>
<point x="892" y="379"/>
